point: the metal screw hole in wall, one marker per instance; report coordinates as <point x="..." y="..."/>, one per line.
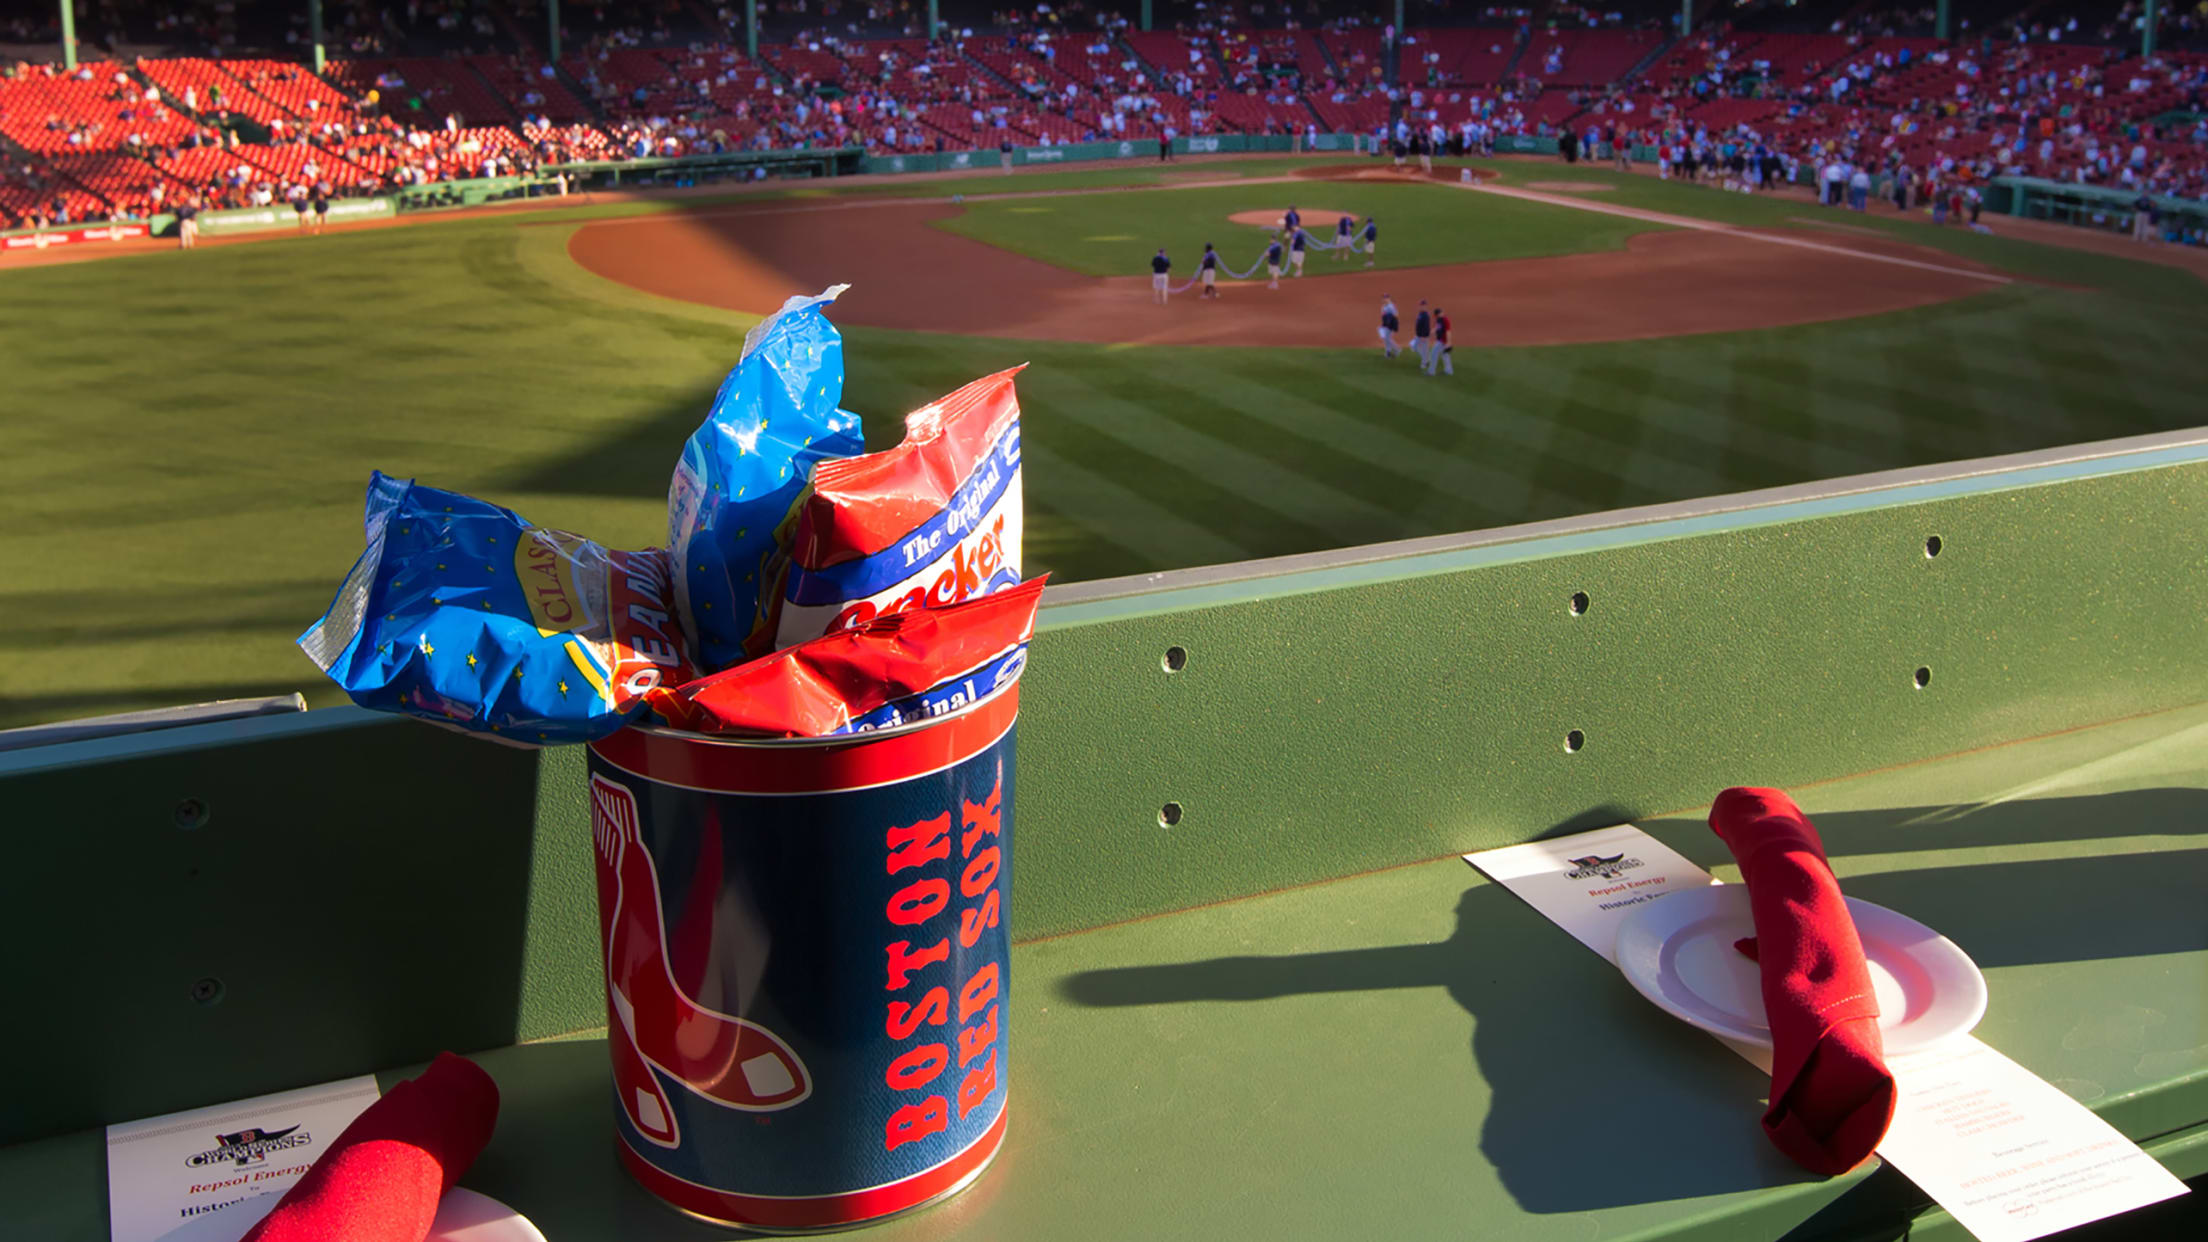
<point x="1923" y="678"/>
<point x="1579" y="603"/>
<point x="1573" y="741"/>
<point x="1931" y="546"/>
<point x="1169" y="814"/>
<point x="1176" y="659"/>
<point x="191" y="813"/>
<point x="207" y="991"/>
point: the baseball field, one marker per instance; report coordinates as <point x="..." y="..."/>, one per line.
<point x="186" y="435"/>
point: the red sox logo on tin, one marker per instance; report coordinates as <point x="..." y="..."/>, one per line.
<point x="651" y="1024"/>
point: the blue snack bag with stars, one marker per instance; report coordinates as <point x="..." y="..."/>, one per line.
<point x="733" y="500"/>
<point x="463" y="614"/>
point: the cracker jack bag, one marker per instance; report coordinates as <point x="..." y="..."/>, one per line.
<point x="463" y="614"/>
<point x="895" y="669"/>
<point x="746" y="465"/>
<point x="931" y="522"/>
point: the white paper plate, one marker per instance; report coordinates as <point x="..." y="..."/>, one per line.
<point x="1678" y="952"/>
<point x="462" y="1216"/>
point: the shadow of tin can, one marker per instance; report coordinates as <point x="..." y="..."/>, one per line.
<point x="806" y="956"/>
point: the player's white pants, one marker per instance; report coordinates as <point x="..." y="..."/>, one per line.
<point x="1387" y="342"/>
<point x="1158" y="286"/>
<point x="1295" y="261"/>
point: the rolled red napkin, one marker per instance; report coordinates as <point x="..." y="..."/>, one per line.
<point x="381" y="1180"/>
<point x="1832" y="1096"/>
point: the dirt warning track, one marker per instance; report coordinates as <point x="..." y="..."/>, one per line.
<point x="907" y="275"/>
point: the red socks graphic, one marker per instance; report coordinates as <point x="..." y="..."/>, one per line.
<point x="719" y="1056"/>
<point x="383" y="1177"/>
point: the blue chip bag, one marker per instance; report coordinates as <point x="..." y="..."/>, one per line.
<point x="463" y="614"/>
<point x="732" y="501"/>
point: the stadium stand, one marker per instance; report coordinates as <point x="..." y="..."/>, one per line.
<point x="446" y="89"/>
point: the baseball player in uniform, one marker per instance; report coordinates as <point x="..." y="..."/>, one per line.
<point x="1345" y="229"/>
<point x="1296" y="242"/>
<point x="1389" y="322"/>
<point x="1272" y="263"/>
<point x="1422" y="333"/>
<point x="1293" y="220"/>
<point x="1372" y="239"/>
<point x="1438" y="353"/>
<point x="1160" y="266"/>
<point x="1208" y="269"/>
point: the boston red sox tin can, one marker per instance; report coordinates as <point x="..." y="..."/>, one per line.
<point x="806" y="963"/>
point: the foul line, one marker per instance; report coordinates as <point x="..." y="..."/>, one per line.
<point x="1711" y="226"/>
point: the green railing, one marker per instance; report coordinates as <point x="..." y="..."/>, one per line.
<point x="2091" y="206"/>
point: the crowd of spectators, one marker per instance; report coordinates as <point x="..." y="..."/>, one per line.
<point x="2049" y="96"/>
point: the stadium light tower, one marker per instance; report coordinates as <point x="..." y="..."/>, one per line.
<point x="2146" y="41"/>
<point x="314" y="32"/>
<point x="69" y="33"/>
<point x="751" y="28"/>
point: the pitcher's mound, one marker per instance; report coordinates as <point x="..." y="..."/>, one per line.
<point x="1312" y="217"/>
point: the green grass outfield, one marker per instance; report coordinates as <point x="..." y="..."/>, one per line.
<point x="184" y="437"/>
<point x="1114" y="234"/>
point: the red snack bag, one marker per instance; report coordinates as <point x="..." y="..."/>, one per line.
<point x="931" y="522"/>
<point x="890" y="670"/>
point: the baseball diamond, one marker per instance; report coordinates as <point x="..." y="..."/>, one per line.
<point x="1653" y="342"/>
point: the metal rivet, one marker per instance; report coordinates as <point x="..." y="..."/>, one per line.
<point x="1169" y="814"/>
<point x="191" y="813"/>
<point x="207" y="991"/>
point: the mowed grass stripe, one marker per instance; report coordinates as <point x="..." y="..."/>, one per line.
<point x="1270" y="429"/>
<point x="1182" y="489"/>
<point x="1696" y="424"/>
<point x="1144" y="532"/>
<point x="1482" y="494"/>
<point x="1464" y="415"/>
<point x="1128" y="408"/>
<point x="1592" y="443"/>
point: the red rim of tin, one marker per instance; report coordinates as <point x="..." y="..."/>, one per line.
<point x="771" y="766"/>
<point x="822" y="1212"/>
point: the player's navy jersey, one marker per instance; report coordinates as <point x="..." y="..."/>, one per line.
<point x="1425" y="324"/>
<point x="1297" y="241"/>
<point x="1272" y="254"/>
<point x="1344" y="227"/>
<point x="1388" y="319"/>
<point x="1294" y="218"/>
<point x="1211" y="260"/>
<point x="1160" y="265"/>
<point x="1372" y="230"/>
